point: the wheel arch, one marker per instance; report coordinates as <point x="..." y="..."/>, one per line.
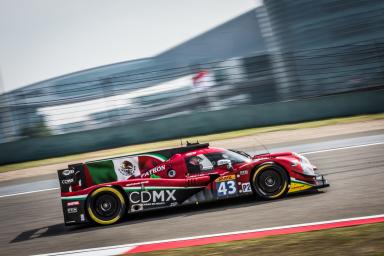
<point x="117" y="187"/>
<point x="122" y="191"/>
<point x="256" y="167"/>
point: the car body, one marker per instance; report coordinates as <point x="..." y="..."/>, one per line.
<point x="104" y="191"/>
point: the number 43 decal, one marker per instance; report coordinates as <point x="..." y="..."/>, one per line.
<point x="226" y="188"/>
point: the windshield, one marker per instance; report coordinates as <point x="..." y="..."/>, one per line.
<point x="226" y="154"/>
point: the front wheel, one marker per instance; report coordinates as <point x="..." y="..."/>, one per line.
<point x="106" y="205"/>
<point x="270" y="181"/>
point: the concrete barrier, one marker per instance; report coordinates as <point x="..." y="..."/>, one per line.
<point x="239" y="117"/>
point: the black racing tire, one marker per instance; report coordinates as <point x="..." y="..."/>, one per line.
<point x="270" y="181"/>
<point x="106" y="205"/>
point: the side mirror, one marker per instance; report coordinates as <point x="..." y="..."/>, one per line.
<point x="225" y="162"/>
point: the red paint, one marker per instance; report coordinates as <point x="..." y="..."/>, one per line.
<point x="250" y="235"/>
<point x="177" y="163"/>
<point x="199" y="76"/>
<point x="178" y="160"/>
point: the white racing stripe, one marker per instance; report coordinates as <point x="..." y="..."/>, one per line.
<point x="119" y="249"/>
<point x="303" y="153"/>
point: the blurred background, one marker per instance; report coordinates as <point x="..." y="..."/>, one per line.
<point x="280" y="62"/>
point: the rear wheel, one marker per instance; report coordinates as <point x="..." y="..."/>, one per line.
<point x="106" y="206"/>
<point x="270" y="181"/>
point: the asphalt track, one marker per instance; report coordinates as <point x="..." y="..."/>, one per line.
<point x="50" y="181"/>
<point x="32" y="223"/>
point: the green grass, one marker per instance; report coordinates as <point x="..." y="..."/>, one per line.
<point x="358" y="240"/>
<point x="172" y="143"/>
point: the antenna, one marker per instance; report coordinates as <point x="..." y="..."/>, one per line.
<point x="181" y="142"/>
<point x="265" y="148"/>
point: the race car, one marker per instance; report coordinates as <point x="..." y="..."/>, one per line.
<point x="104" y="191"/>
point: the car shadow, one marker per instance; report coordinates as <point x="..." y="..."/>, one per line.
<point x="160" y="214"/>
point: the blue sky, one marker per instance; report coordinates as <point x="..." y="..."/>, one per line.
<point x="41" y="39"/>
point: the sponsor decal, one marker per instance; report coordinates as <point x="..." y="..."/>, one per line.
<point x="136" y="183"/>
<point x="68" y="172"/>
<point x="197" y="174"/>
<point x="226" y="188"/>
<point x="82" y="217"/>
<point x="171" y="173"/>
<point x="153" y="197"/>
<point x="74" y="203"/>
<point x="153" y="171"/>
<point x="72" y="210"/>
<point x="298" y="186"/>
<point x="244" y="172"/>
<point x="67" y="181"/>
<point x="225" y="178"/>
<point x="246" y="187"/>
<point x="259" y="159"/>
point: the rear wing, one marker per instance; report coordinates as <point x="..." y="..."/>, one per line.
<point x="72" y="178"/>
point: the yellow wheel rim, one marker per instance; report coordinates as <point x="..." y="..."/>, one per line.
<point x="102" y="190"/>
<point x="266" y="167"/>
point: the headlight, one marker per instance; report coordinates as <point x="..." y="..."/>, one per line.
<point x="295" y="163"/>
<point x="306" y="165"/>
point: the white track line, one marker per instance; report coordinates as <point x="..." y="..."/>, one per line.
<point x="28" y="192"/>
<point x="107" y="250"/>
<point x="342" y="148"/>
<point x="304" y="153"/>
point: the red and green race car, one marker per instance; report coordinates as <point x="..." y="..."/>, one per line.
<point x="104" y="191"/>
